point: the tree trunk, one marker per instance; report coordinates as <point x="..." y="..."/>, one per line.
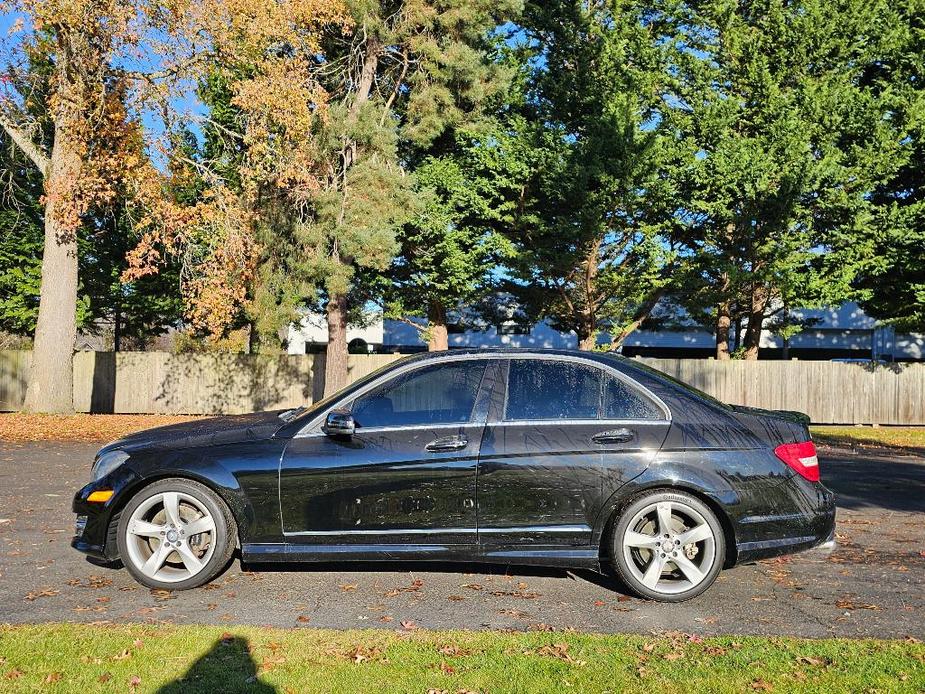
<point x="587" y="336"/>
<point x="436" y="317"/>
<point x="117" y="326"/>
<point x="645" y="308"/>
<point x="586" y="344"/>
<point x="723" y="322"/>
<point x="51" y="387"/>
<point x="752" y="339"/>
<point x="335" y="364"/>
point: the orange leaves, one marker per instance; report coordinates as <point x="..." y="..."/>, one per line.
<point x="213" y="240"/>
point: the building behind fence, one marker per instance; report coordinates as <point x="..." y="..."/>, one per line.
<point x="164" y="383"/>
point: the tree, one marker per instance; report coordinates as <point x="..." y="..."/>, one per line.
<point x="324" y="130"/>
<point x="451" y="249"/>
<point x="20" y="241"/>
<point x="790" y="143"/>
<point x="93" y="144"/>
<point x="893" y="287"/>
<point x="595" y="247"/>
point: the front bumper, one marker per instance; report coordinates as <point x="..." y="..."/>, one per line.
<point x="95" y="530"/>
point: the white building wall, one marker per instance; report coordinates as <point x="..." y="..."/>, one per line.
<point x="844" y="327"/>
<point x="313" y="328"/>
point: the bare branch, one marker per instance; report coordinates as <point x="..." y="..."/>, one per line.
<point x="25" y="144"/>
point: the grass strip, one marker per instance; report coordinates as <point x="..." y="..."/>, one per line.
<point x="170" y="658"/>
<point x="908" y="439"/>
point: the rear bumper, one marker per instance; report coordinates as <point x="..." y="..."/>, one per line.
<point x="805" y="519"/>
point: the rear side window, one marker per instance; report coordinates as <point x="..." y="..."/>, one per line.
<point x="622" y="401"/>
<point x="545" y="389"/>
<point x="439" y="394"/>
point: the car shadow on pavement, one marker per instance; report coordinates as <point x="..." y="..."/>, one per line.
<point x="604" y="580"/>
<point x="874" y="483"/>
<point x="229" y="666"/>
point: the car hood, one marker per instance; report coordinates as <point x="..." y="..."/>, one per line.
<point x="202" y="432"/>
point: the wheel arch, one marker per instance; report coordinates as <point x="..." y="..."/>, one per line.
<point x="626" y="497"/>
<point x="131" y="490"/>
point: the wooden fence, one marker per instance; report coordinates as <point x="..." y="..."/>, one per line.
<point x="158" y="382"/>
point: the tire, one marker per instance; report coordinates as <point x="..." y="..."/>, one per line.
<point x="667" y="569"/>
<point x="155" y="545"/>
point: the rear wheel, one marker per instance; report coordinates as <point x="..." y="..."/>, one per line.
<point x="175" y="534"/>
<point x="668" y="546"/>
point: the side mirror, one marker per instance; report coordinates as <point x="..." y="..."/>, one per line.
<point x="339" y="423"/>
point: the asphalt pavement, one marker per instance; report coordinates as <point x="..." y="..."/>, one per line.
<point x="872" y="585"/>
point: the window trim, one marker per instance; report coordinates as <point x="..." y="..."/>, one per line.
<point x="313" y="427"/>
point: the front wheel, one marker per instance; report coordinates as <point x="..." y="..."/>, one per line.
<point x="668" y="546"/>
<point x="175" y="534"/>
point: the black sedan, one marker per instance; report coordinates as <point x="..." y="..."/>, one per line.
<point x="553" y="458"/>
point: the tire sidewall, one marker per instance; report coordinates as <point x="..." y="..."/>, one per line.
<point x="620" y="528"/>
<point x="224" y="546"/>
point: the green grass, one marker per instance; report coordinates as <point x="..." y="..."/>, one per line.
<point x="911" y="439"/>
<point x="82" y="658"/>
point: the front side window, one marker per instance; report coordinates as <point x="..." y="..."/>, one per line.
<point x="546" y="389"/>
<point x="438" y="394"/>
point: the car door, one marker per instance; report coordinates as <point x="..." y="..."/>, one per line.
<point x="407" y="475"/>
<point x="566" y="434"/>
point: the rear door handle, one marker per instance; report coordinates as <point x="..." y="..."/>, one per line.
<point x="447" y="443"/>
<point x="614" y="436"/>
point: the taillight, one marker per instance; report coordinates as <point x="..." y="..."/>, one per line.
<point x="801" y="457"/>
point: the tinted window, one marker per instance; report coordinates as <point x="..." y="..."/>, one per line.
<point x="543" y="389"/>
<point x="439" y="394"/>
<point x="622" y="401"/>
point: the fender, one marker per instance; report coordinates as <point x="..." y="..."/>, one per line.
<point x="677" y="470"/>
<point x="229" y="471"/>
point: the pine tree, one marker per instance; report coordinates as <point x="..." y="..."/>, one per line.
<point x="595" y="247"/>
<point x="790" y="143"/>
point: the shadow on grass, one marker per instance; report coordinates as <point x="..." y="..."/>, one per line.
<point x="227" y="667"/>
<point x="853" y="443"/>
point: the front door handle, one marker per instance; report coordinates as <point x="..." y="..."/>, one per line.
<point x="447" y="443"/>
<point x="614" y="436"/>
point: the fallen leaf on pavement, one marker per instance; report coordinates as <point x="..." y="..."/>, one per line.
<point x="44" y="593"/>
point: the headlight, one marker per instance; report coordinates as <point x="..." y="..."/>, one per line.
<point x="106" y="463"/>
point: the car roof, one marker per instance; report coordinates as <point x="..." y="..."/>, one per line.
<point x="540" y="351"/>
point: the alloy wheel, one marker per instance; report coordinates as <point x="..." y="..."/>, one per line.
<point x="170" y="537"/>
<point x="669" y="547"/>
